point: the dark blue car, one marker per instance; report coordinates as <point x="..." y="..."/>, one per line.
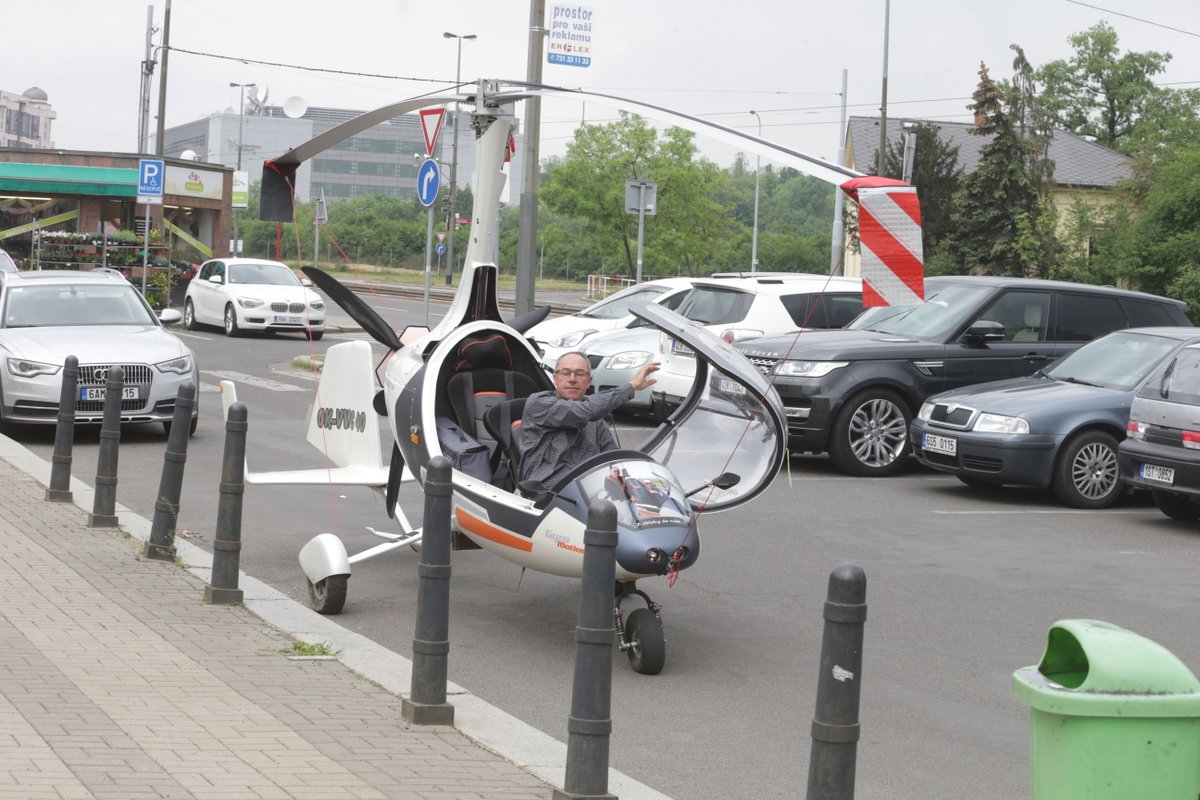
<point x="1058" y="428"/>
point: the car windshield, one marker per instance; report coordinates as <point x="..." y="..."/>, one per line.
<point x="617" y="306"/>
<point x="270" y="274"/>
<point x="71" y="305"/>
<point x="942" y="312"/>
<point x="1117" y="361"/>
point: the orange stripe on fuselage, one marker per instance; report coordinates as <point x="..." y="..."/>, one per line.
<point x="479" y="527"/>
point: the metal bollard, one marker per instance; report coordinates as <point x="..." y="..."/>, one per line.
<point x="835" y="728"/>
<point x="104" y="506"/>
<point x="59" y="490"/>
<point x="161" y="545"/>
<point x="590" y="724"/>
<point x="227" y="540"/>
<point x="426" y="703"/>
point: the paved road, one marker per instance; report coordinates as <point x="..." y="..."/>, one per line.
<point x="963" y="586"/>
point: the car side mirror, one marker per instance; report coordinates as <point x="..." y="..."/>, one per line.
<point x="169" y="316"/>
<point x="983" y="331"/>
<point x="218" y="279"/>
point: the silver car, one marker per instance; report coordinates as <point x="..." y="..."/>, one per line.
<point x="102" y="320"/>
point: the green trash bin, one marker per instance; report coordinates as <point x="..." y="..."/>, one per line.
<point x="1115" y="716"/>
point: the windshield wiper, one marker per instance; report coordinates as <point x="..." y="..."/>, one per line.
<point x="1079" y="381"/>
<point x="1037" y="373"/>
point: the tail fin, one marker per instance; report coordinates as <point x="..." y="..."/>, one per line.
<point x="342" y="423"/>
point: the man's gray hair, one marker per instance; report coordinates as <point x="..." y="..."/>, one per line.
<point x="573" y="353"/>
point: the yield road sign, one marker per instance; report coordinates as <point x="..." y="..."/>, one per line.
<point x="431" y="126"/>
<point x="428" y="179"/>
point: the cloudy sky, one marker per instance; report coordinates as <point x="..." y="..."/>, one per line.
<point x="782" y="58"/>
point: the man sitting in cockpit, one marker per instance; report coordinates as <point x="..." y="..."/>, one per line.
<point x="566" y="427"/>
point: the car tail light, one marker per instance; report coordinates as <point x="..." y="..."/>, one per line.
<point x="728" y="337"/>
<point x="1191" y="440"/>
<point x="1136" y="430"/>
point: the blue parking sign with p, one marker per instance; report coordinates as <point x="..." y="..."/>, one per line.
<point x="150" y="177"/>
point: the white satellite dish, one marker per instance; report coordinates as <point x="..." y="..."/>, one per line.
<point x="295" y="107"/>
<point x="189" y="155"/>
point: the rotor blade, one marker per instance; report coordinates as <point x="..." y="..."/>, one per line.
<point x="527" y="320"/>
<point x="354" y="305"/>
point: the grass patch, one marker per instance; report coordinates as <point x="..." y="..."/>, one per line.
<point x="309" y="650"/>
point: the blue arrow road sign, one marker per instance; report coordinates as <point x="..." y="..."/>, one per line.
<point x="150" y="177"/>
<point x="428" y="179"/>
<point x="441" y="249"/>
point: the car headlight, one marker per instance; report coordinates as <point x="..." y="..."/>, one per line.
<point x="249" y="302"/>
<point x="181" y="365"/>
<point x="808" y="369"/>
<point x="998" y="423"/>
<point x="24" y="368"/>
<point x="629" y="360"/>
<point x="317" y="305"/>
<point x="926" y="411"/>
<point x="571" y="339"/>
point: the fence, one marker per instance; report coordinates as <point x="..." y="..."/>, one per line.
<point x="603" y="285"/>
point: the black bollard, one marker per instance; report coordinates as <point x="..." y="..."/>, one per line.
<point x="227" y="540"/>
<point x="835" y="724"/>
<point x="426" y="703"/>
<point x="161" y="545"/>
<point x="590" y="724"/>
<point x="59" y="490"/>
<point x="104" y="506"/>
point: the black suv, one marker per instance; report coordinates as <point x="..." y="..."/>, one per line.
<point x="853" y="392"/>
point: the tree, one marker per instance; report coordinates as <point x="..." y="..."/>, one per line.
<point x="936" y="174"/>
<point x="589" y="183"/>
<point x="1099" y="92"/>
<point x="1002" y="223"/>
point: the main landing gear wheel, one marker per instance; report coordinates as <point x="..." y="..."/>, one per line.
<point x="328" y="596"/>
<point x="647" y="647"/>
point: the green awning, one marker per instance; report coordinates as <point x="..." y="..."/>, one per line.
<point x="19" y="178"/>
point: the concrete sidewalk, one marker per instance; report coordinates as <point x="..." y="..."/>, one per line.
<point x="118" y="681"/>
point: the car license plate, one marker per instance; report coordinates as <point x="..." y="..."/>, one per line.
<point x="1153" y="472"/>
<point x="730" y="387"/>
<point x="99" y="392"/>
<point x="289" y="320"/>
<point x="679" y="348"/>
<point x="946" y="445"/>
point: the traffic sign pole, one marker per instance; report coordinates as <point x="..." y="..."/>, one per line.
<point x="428" y="258"/>
<point x="151" y="172"/>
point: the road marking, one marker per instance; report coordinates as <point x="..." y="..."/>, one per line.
<point x="253" y="380"/>
<point x="991" y="512"/>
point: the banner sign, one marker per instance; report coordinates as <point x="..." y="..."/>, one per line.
<point x="570" y="36"/>
<point x="39" y="223"/>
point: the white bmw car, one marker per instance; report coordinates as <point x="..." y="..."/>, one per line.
<point x="102" y="320"/>
<point x="252" y="294"/>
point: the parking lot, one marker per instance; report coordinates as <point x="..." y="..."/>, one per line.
<point x="962" y="586"/>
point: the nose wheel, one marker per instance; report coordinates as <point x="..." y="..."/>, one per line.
<point x="641" y="635"/>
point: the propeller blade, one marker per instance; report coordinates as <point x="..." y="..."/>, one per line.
<point x="395" y="472"/>
<point x="527" y="320"/>
<point x="354" y="305"/>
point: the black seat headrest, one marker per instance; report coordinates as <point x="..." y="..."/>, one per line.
<point x="489" y="352"/>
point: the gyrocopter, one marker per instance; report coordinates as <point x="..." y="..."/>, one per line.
<point x="458" y="390"/>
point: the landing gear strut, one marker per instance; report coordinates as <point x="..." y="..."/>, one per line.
<point x="641" y="636"/>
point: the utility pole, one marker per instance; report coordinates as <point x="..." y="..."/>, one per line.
<point x="452" y="220"/>
<point x="144" y="95"/>
<point x="836" y="267"/>
<point x="162" y="82"/>
<point x="887" y="15"/>
<point x="531" y="170"/>
<point x="241" y="87"/>
<point x="754" y="233"/>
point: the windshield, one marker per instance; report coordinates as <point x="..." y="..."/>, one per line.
<point x="270" y="274"/>
<point x="642" y="491"/>
<point x="50" y="306"/>
<point x="942" y="312"/>
<point x="617" y="306"/>
<point x="1117" y="361"/>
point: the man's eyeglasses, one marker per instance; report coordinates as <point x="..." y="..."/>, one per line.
<point x="567" y="373"/>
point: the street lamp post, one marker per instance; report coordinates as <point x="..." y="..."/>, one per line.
<point x="241" y="87"/>
<point x="452" y="217"/>
<point x="754" y="233"/>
